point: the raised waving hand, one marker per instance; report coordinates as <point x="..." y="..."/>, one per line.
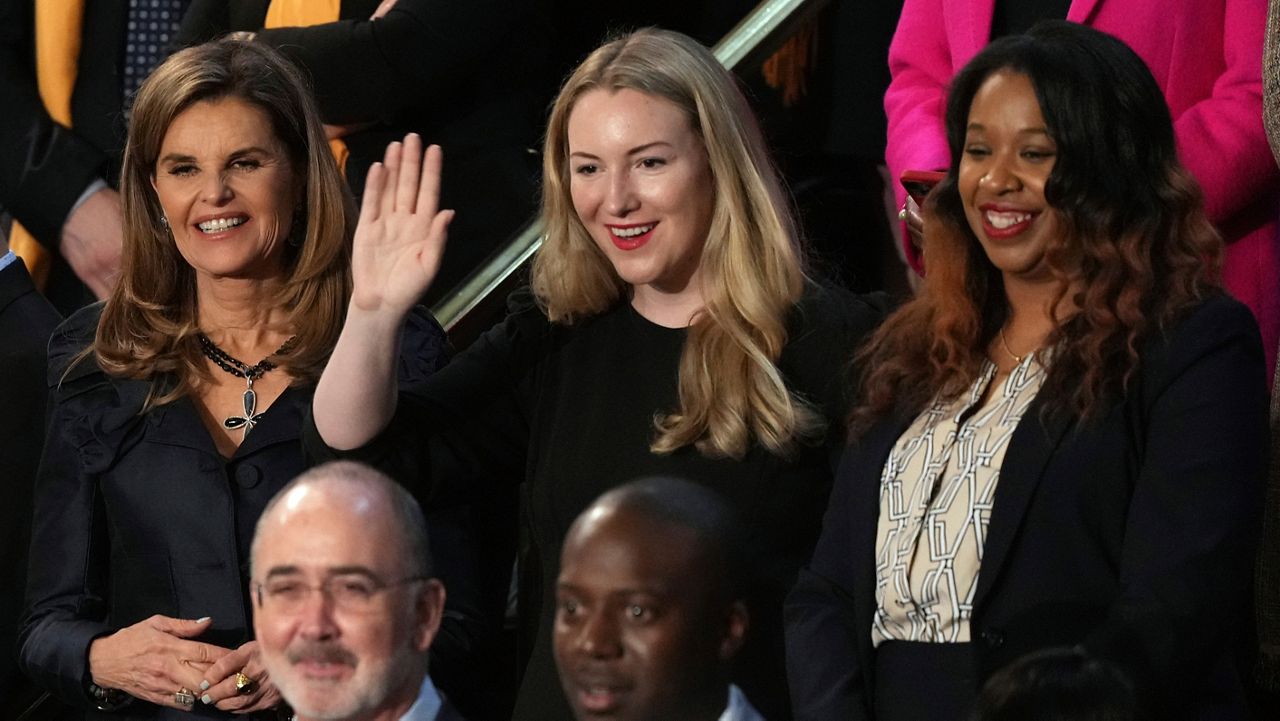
<point x="398" y="243"/>
<point x="401" y="232"/>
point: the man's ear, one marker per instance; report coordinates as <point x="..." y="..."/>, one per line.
<point x="429" y="610"/>
<point x="736" y="624"/>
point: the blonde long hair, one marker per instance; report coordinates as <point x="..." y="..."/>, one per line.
<point x="730" y="390"/>
<point x="149" y="324"/>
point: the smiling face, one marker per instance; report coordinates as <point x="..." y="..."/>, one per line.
<point x="227" y="189"/>
<point x="639" y="632"/>
<point x="642" y="186"/>
<point x="342" y="653"/>
<point x="1008" y="156"/>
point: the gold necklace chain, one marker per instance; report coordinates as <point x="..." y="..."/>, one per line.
<point x="1005" y="344"/>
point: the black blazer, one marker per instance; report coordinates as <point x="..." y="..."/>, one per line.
<point x="1132" y="534"/>
<point x="138" y="515"/>
<point x="26" y="320"/>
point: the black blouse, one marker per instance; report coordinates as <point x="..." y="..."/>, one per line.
<point x="555" y="415"/>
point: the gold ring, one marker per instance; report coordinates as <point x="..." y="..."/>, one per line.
<point x="184" y="697"/>
<point x="244" y="684"/>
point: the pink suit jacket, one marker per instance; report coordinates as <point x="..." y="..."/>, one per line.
<point x="1206" y="55"/>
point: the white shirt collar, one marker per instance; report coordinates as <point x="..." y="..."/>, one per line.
<point x="739" y="708"/>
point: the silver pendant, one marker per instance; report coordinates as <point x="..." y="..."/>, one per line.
<point x="249" y="419"/>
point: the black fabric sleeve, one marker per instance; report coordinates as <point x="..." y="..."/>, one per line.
<point x="369" y="70"/>
<point x="65" y="600"/>
<point x="824" y="672"/>
<point x="1192" y="523"/>
<point x="464" y="430"/>
<point x="44" y="167"/>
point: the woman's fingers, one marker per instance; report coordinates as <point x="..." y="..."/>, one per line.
<point x="230" y="694"/>
<point x="428" y="190"/>
<point x="410" y="171"/>
<point x="371" y="202"/>
<point x="391" y="163"/>
<point x="226" y="668"/>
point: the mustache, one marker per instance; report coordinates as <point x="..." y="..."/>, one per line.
<point x="321" y="652"/>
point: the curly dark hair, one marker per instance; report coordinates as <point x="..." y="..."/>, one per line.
<point x="1136" y="249"/>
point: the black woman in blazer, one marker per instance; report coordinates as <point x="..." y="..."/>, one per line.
<point x="1127" y="526"/>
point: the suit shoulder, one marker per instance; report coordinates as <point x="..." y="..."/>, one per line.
<point x="68" y="343"/>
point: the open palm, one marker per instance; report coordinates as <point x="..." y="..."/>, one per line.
<point x="401" y="234"/>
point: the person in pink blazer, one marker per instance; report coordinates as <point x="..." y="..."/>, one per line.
<point x="1206" y="56"/>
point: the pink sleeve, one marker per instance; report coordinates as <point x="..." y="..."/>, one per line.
<point x="1221" y="138"/>
<point x="920" y="68"/>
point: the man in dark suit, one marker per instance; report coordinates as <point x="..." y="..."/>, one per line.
<point x="26" y="321"/>
<point x="468" y="76"/>
<point x="652" y="605"/>
<point x="60" y="149"/>
<point x="345" y="605"/>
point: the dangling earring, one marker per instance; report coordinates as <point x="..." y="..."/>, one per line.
<point x="164" y="223"/>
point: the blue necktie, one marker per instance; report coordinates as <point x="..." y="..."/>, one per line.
<point x="153" y="26"/>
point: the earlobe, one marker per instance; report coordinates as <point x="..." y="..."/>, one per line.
<point x="735" y="630"/>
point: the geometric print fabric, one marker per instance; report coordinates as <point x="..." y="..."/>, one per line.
<point x="936" y="491"/>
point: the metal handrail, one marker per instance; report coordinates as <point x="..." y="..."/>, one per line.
<point x="752" y="40"/>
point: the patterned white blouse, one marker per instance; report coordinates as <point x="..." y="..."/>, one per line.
<point x="936" y="492"/>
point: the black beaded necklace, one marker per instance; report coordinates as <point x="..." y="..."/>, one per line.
<point x="249" y="373"/>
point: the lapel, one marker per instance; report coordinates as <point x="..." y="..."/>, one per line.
<point x="14" y="283"/>
<point x="1032" y="445"/>
<point x="1081" y="11"/>
<point x="866" y="464"/>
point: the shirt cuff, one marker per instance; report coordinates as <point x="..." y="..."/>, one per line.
<point x="90" y="189"/>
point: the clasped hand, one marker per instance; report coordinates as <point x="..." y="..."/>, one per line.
<point x="153" y="659"/>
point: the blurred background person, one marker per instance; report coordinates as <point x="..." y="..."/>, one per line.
<point x="26" y="321"/>
<point x="1058" y="684"/>
<point x="651" y="605"/>
<point x="1267" y="587"/>
<point x="672" y="330"/>
<point x="177" y="405"/>
<point x="346" y="604"/>
<point x="1062" y="440"/>
<point x="1205" y="56"/>
<point x="68" y="73"/>
<point x="470" y="77"/>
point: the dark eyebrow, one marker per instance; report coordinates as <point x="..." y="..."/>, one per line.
<point x="1024" y="131"/>
<point x="283" y="571"/>
<point x="633" y="151"/>
<point x="352" y="571"/>
<point x="334" y="571"/>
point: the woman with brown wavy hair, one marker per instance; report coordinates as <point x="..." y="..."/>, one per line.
<point x="1061" y="438"/>
<point x="177" y="404"/>
<point x="670" y="330"/>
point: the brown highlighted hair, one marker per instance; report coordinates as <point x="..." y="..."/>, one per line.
<point x="1135" y="252"/>
<point x="730" y="390"/>
<point x="148" y="326"/>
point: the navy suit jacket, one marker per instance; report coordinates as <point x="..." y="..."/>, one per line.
<point x="1132" y="534"/>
